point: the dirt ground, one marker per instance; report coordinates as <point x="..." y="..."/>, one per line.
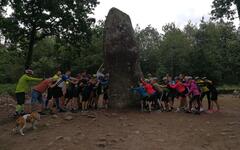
<point x="129" y="130"/>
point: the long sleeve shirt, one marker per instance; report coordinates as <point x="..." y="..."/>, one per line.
<point x="148" y="87"/>
<point x="194" y="90"/>
<point x="23" y="83"/>
<point x="141" y="91"/>
<point x="178" y="86"/>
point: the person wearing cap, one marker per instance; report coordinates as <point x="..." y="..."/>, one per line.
<point x="22" y="88"/>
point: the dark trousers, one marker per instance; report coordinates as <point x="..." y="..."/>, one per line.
<point x="208" y="98"/>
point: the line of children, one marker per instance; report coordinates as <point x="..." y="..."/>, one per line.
<point x="182" y="88"/>
<point x="63" y="92"/>
<point x="81" y="93"/>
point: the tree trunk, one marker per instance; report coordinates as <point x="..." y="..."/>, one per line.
<point x="30" y="48"/>
<point x="121" y="60"/>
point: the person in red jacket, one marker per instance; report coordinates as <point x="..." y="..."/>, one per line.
<point x="182" y="91"/>
<point x="151" y="92"/>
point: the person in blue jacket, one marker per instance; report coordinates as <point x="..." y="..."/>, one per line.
<point x="143" y="94"/>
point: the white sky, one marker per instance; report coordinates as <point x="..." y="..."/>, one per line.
<point x="158" y="12"/>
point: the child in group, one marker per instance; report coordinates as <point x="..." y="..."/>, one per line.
<point x="195" y="96"/>
<point x="37" y="94"/>
<point x="50" y="93"/>
<point x="151" y="92"/>
<point x="159" y="91"/>
<point x="172" y="92"/>
<point x="165" y="95"/>
<point x="72" y="96"/>
<point x="214" y="97"/>
<point x="203" y="84"/>
<point x="143" y="95"/>
<point x="60" y="89"/>
<point x="87" y="88"/>
<point x="182" y="91"/>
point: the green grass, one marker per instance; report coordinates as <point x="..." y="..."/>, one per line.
<point x="7" y="88"/>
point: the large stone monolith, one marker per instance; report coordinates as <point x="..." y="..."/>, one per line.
<point x="121" y="58"/>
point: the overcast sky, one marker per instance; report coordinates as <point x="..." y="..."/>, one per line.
<point x="158" y="12"/>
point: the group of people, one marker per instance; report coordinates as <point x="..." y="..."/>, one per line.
<point x="190" y="92"/>
<point x="61" y="93"/>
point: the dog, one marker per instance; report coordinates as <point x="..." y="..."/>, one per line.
<point x="236" y="93"/>
<point x="22" y="121"/>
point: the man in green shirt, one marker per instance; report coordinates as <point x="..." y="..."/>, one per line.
<point x="22" y="88"/>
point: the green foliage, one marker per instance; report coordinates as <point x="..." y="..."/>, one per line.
<point x="211" y="50"/>
<point x="224" y="8"/>
<point x="32" y="21"/>
<point x="51" y="55"/>
<point x="7" y="89"/>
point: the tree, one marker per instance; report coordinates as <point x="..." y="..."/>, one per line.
<point x="149" y="44"/>
<point x="223" y="8"/>
<point x="33" y="20"/>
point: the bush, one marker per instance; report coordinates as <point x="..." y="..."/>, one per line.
<point x="8" y="89"/>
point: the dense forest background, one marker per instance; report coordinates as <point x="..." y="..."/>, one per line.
<point x="210" y="49"/>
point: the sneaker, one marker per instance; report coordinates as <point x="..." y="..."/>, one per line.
<point x="210" y="111"/>
<point x="193" y="109"/>
<point x="201" y="109"/>
<point x="178" y="110"/>
<point x="216" y="111"/>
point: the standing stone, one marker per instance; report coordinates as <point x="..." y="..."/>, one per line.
<point x="121" y="58"/>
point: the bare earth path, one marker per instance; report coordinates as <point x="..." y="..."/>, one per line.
<point x="130" y="130"/>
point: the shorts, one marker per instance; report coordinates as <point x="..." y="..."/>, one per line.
<point x="69" y="93"/>
<point x="99" y="90"/>
<point x="105" y="96"/>
<point x="183" y="94"/>
<point x="49" y="93"/>
<point x="214" y="96"/>
<point x="153" y="97"/>
<point x="164" y="96"/>
<point x="36" y="97"/>
<point x="57" y="92"/>
<point x="144" y="99"/>
<point x="172" y="94"/>
<point x="20" y="97"/>
<point x="76" y="92"/>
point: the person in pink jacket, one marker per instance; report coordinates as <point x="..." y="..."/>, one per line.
<point x="195" y="93"/>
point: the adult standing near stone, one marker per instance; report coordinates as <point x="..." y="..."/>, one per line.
<point x="121" y="58"/>
<point x="22" y="89"/>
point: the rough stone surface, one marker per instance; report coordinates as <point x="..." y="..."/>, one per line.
<point x="121" y="58"/>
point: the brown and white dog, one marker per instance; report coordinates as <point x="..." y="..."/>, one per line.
<point x="22" y="121"/>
